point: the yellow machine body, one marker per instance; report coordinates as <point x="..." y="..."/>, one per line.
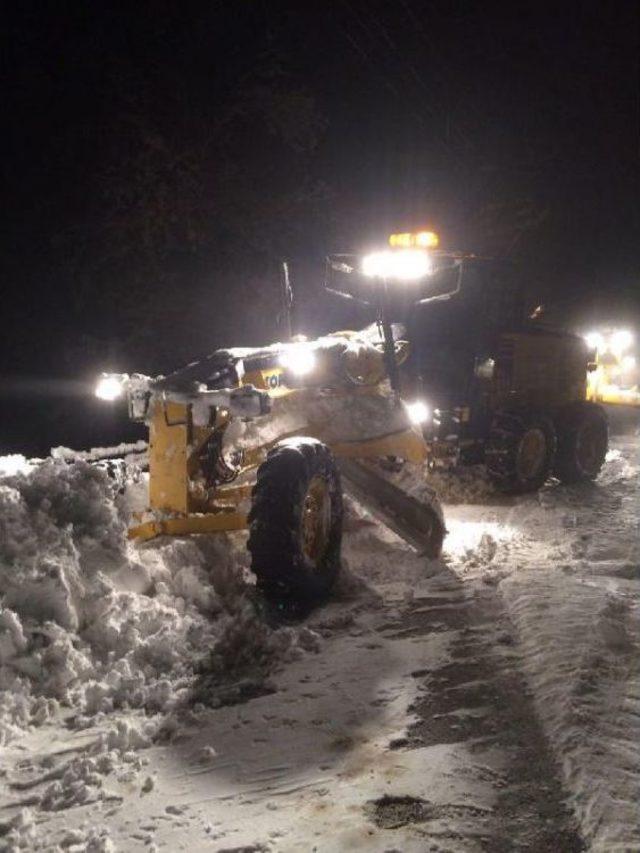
<point x="609" y="384"/>
<point x="613" y="395"/>
<point x="181" y="501"/>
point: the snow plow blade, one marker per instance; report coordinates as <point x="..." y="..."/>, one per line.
<point x="418" y="523"/>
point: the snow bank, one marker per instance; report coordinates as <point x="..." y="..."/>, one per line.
<point x="20" y="832"/>
<point x="15" y="463"/>
<point x="581" y="649"/>
<point x="97" y="453"/>
<point x="92" y="623"/>
<point x="463" y="485"/>
<point x="470" y="485"/>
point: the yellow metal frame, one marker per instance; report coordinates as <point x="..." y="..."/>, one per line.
<point x="613" y="395"/>
<point x="218" y="522"/>
<point x="181" y="503"/>
<point x="408" y="444"/>
<point x="602" y="387"/>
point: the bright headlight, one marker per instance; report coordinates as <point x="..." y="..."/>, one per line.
<point x="594" y="340"/>
<point x="418" y="411"/>
<point x="400" y="265"/>
<point x="621" y="340"/>
<point x="110" y="386"/>
<point x="299" y="359"/>
<point x="616" y="341"/>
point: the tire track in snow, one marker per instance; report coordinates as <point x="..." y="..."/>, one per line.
<point x="580" y="651"/>
<point x="578" y="624"/>
<point x="481" y="700"/>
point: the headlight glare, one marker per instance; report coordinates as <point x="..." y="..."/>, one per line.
<point x="418" y="412"/>
<point x="621" y="340"/>
<point x="110" y="386"/>
<point x="594" y="340"/>
<point x="300" y="359"/>
<point x="398" y="265"/>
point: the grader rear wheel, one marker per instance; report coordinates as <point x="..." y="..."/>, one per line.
<point x="520" y="451"/>
<point x="531" y="453"/>
<point x="583" y="440"/>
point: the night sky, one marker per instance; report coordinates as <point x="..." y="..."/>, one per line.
<point x="160" y="159"/>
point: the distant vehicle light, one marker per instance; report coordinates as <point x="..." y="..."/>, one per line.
<point x="299" y="359"/>
<point x="399" y="264"/>
<point x="109" y="387"/>
<point x="418" y="412"/>
<point x="414" y="240"/>
<point x="621" y="340"/>
<point x="615" y="341"/>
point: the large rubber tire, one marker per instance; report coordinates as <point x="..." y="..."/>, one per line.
<point x="520" y="451"/>
<point x="295" y="532"/>
<point x="583" y="441"/>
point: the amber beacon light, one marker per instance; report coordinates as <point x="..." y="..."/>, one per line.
<point x="414" y="240"/>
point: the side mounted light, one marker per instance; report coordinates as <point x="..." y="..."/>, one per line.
<point x="110" y="386"/>
<point x="299" y="358"/>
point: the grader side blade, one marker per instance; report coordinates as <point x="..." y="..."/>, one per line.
<point x="420" y="524"/>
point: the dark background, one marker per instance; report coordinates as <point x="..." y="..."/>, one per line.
<point x="160" y="159"/>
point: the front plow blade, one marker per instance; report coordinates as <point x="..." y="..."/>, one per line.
<point x="418" y="523"/>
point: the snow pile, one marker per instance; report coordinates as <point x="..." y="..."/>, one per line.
<point x="90" y="622"/>
<point x="81" y="780"/>
<point x="97" y="453"/>
<point x="463" y="485"/>
<point x="466" y="485"/>
<point x="15" y="463"/>
<point x="469" y="485"/>
<point x="581" y="648"/>
<point x="20" y="832"/>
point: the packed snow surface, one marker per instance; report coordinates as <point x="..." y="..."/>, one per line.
<point x="147" y="703"/>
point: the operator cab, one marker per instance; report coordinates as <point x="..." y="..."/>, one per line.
<point x="454" y="340"/>
<point x="452" y="315"/>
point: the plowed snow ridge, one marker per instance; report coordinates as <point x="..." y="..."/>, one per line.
<point x="577" y="611"/>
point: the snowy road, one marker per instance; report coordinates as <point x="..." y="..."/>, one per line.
<point x="490" y="701"/>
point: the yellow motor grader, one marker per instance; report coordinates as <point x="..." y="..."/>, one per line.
<point x="498" y="386"/>
<point x="614" y="378"/>
<point x="258" y="439"/>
